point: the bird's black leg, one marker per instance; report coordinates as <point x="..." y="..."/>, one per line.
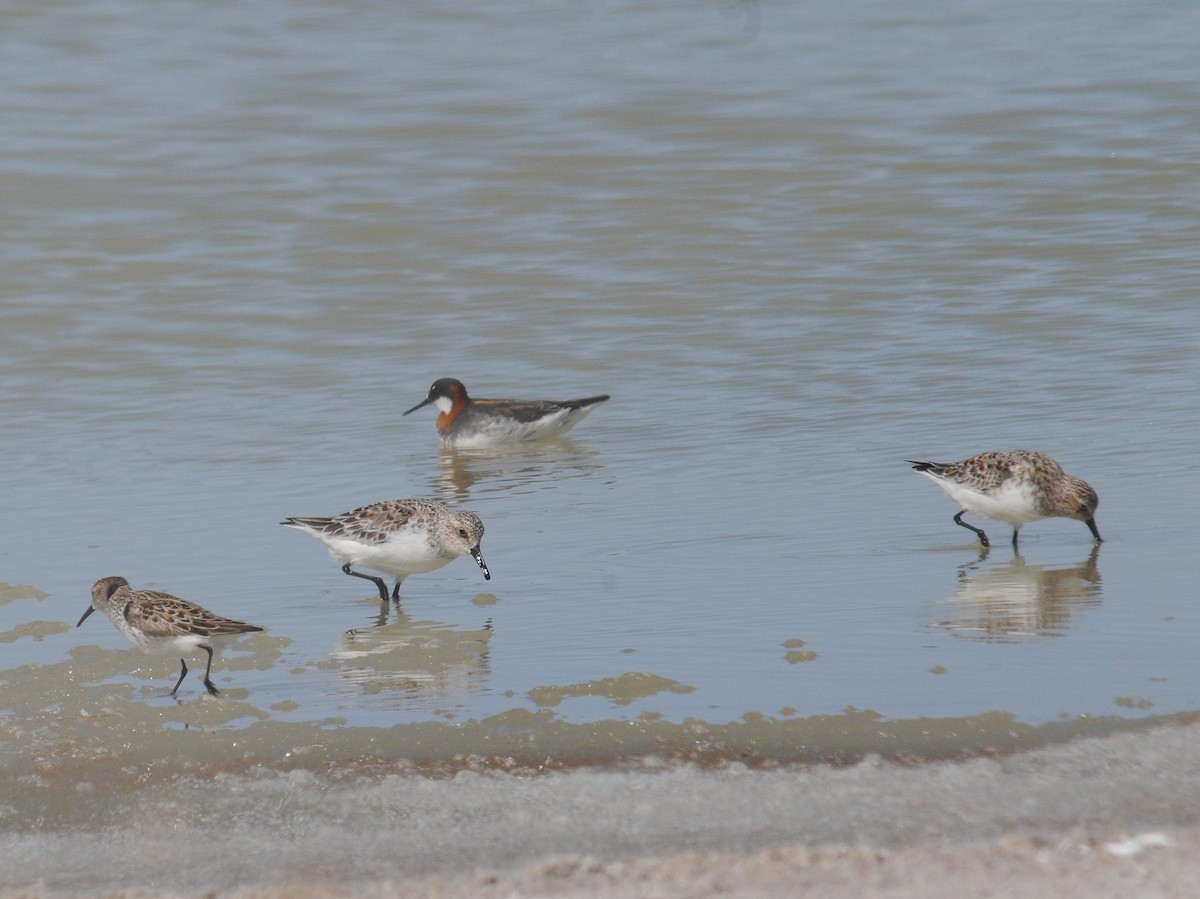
<point x="396" y="590"/>
<point x="383" y="594"/>
<point x="1016" y="533"/>
<point x="1091" y="523"/>
<point x="182" y="675"/>
<point x="208" y="683"/>
<point x="970" y="527"/>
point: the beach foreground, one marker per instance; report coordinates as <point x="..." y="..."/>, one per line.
<point x="1105" y="816"/>
<point x="1075" y="863"/>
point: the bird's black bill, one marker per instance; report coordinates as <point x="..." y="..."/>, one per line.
<point x="487" y="575"/>
<point x="422" y="404"/>
<point x="83" y="618"/>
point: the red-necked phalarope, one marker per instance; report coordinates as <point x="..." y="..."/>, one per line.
<point x="398" y="537"/>
<point x="1017" y="487"/>
<point x="467" y="423"/>
<point x="162" y="623"/>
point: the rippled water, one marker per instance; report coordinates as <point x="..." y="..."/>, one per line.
<point x="797" y="245"/>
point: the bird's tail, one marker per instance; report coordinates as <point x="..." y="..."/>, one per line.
<point x="306" y="524"/>
<point x="937" y="468"/>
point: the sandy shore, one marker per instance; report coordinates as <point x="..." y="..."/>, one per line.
<point x="1107" y="816"/>
<point x="1163" y="863"/>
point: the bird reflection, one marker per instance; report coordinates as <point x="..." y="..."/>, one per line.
<point x="510" y="466"/>
<point x="1017" y="601"/>
<point x="419" y="660"/>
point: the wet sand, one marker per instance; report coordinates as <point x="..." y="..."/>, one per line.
<point x="1072" y="864"/>
<point x="1106" y="816"/>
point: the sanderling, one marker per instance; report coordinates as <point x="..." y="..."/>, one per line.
<point x="398" y="537"/>
<point x="1018" y="487"/>
<point x="162" y="623"/>
<point x="468" y="423"/>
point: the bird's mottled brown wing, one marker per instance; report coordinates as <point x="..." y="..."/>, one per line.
<point x="373" y="523"/>
<point x="163" y="615"/>
<point x="988" y="472"/>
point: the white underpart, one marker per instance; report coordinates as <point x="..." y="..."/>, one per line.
<point x="407" y="551"/>
<point x="188" y="645"/>
<point x="501" y="429"/>
<point x="1013" y="501"/>
<point x="183" y="645"/>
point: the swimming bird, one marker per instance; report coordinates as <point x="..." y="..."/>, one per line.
<point x="162" y="623"/>
<point x="1017" y="486"/>
<point x="398" y="537"/>
<point x="468" y="423"/>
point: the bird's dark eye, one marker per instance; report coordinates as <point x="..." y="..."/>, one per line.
<point x="462" y="532"/>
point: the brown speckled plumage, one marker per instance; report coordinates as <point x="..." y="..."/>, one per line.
<point x="161" y="622"/>
<point x="1016" y="486"/>
<point x="399" y="537"/>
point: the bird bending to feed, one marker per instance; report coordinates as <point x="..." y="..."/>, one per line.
<point x="468" y="423"/>
<point x="1017" y="486"/>
<point x="162" y="623"/>
<point x="398" y="537"/>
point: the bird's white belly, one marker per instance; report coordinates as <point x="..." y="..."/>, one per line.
<point x="404" y="553"/>
<point x="182" y="645"/>
<point x="1011" y="502"/>
<point x="481" y="433"/>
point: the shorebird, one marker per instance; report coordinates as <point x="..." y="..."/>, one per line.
<point x="162" y="623"/>
<point x="467" y="423"/>
<point x="1017" y="486"/>
<point x="398" y="537"/>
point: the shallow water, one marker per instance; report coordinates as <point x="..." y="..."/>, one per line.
<point x="796" y="245"/>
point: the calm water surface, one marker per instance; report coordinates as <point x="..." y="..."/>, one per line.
<point x="797" y="244"/>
